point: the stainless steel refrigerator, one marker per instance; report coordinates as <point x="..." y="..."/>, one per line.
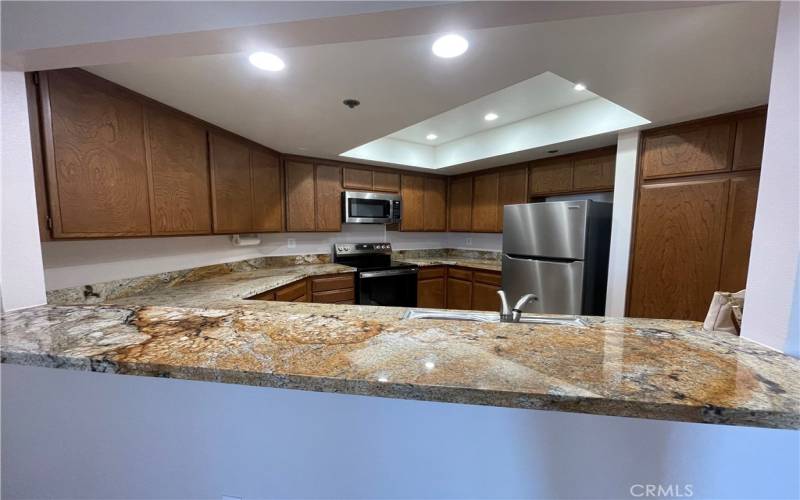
<point x="557" y="251"/>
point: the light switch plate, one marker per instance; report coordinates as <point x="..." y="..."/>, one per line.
<point x="469" y="242"/>
<point x="291" y="243"/>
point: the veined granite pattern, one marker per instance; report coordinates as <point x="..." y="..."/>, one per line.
<point x="476" y="259"/>
<point x="657" y="369"/>
<point x="98" y="293"/>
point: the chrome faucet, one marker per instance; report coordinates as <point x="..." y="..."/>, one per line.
<point x="512" y="315"/>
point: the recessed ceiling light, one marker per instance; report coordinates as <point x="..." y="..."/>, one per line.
<point x="579" y="87"/>
<point x="451" y="45"/>
<point x="267" y="61"/>
<point x="490" y="117"/>
<point x="431" y="137"/>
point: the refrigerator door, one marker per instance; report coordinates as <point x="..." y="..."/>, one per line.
<point x="558" y="285"/>
<point x="550" y="229"/>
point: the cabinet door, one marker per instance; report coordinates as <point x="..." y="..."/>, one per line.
<point x="678" y="247"/>
<point x="749" y="142"/>
<point x="299" y="196"/>
<point x="434" y="204"/>
<point x="179" y="179"/>
<point x="551" y="177"/>
<point x="486" y="202"/>
<point x="738" y="232"/>
<point x="460" y="204"/>
<point x="484" y="297"/>
<point x="357" y="178"/>
<point x="459" y="294"/>
<point x="329" y="198"/>
<point x="430" y="293"/>
<point x="687" y="150"/>
<point x="594" y="174"/>
<point x="413" y="195"/>
<point x="231" y="185"/>
<point x="513" y="190"/>
<point x="386" y="181"/>
<point x="267" y="191"/>
<point x="95" y="156"/>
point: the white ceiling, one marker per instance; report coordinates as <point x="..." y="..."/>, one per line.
<point x="665" y="66"/>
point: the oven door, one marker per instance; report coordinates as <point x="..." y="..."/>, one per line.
<point x="390" y="287"/>
<point x="367" y="208"/>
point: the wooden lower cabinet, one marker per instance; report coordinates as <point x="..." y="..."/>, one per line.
<point x="459" y="293"/>
<point x="295" y="292"/>
<point x="327" y="289"/>
<point x="484" y="297"/>
<point x="431" y="285"/>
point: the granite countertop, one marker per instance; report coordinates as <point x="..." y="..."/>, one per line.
<point x="656" y="369"/>
<point x="484" y="264"/>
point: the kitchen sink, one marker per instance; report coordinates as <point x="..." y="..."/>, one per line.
<point x="489" y="317"/>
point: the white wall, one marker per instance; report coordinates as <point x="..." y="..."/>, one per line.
<point x="771" y="282"/>
<point x="74" y="263"/>
<point x="21" y="278"/>
<point x="72" y="434"/>
<point x="622" y="223"/>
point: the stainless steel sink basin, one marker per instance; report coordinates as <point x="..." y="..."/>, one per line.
<point x="488" y="317"/>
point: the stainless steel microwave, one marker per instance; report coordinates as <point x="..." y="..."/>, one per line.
<point x="370" y="208"/>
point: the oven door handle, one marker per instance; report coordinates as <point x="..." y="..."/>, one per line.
<point x="390" y="272"/>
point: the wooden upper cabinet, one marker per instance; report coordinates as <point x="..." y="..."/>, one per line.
<point x="551" y="177"/>
<point x="680" y="228"/>
<point x="231" y="185"/>
<point x="179" y="174"/>
<point x="749" y="144"/>
<point x="357" y="178"/>
<point x="412" y="192"/>
<point x="386" y="181"/>
<point x="594" y="173"/>
<point x="95" y="157"/>
<point x="328" y="189"/>
<point x="738" y="232"/>
<point x="434" y="205"/>
<point x="267" y="191"/>
<point x="485" y="202"/>
<point x="300" y="213"/>
<point x="513" y="190"/>
<point x="460" y="213"/>
<point x="688" y="149"/>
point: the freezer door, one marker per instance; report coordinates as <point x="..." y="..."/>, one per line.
<point x="550" y="229"/>
<point x="558" y="285"/>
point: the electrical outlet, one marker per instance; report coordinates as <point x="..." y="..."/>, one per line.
<point x="291" y="243"/>
<point x="468" y="242"/>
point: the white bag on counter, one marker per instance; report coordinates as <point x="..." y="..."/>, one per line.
<point x="725" y="313"/>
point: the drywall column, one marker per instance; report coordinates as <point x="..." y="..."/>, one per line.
<point x="771" y="278"/>
<point x="622" y="222"/>
<point x="21" y="269"/>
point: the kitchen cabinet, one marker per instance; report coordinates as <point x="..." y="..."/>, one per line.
<point x="267" y="188"/>
<point x="232" y="199"/>
<point x="434" y="204"/>
<point x="300" y="196"/>
<point x="293" y="292"/>
<point x="179" y="174"/>
<point x="551" y="177"/>
<point x="328" y="193"/>
<point x="386" y="181"/>
<point x="739" y="222"/>
<point x="431" y="283"/>
<point x="678" y="246"/>
<point x="513" y="190"/>
<point x="484" y="291"/>
<point x="749" y="147"/>
<point x="594" y="173"/>
<point x="460" y="210"/>
<point x="703" y="147"/>
<point x="412" y="192"/>
<point x="486" y="202"/>
<point x="333" y="289"/>
<point x="357" y="178"/>
<point x="95" y="160"/>
<point x="459" y="293"/>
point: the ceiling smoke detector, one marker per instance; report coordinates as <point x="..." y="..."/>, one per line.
<point x="351" y="103"/>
